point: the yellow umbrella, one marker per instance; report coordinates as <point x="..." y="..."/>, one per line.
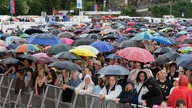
<point x="90" y="48"/>
<point x="82" y="52"/>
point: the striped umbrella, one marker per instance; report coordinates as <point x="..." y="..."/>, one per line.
<point x="27" y="48"/>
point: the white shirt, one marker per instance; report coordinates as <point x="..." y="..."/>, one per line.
<point x="143" y="91"/>
<point x="111" y="94"/>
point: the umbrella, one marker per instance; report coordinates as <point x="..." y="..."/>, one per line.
<point x="33" y="30"/>
<point x="122" y="38"/>
<point x="44" y="39"/>
<point x="128" y="43"/>
<point x="94" y="31"/>
<point x="107" y="31"/>
<point x="3" y="49"/>
<point x="39" y="55"/>
<point x="12" y="46"/>
<point x="185" y="61"/>
<point x="77" y="32"/>
<point x="93" y="36"/>
<point x="65" y="65"/>
<point x="134" y="73"/>
<point x="83" y="35"/>
<point x="27" y="48"/>
<point x="110" y="36"/>
<point x="24" y="35"/>
<point x="4" y="36"/>
<point x="112" y="56"/>
<point x="67" y="41"/>
<point x="182" y="38"/>
<point x="27" y="56"/>
<point x="185" y="49"/>
<point x="92" y="49"/>
<point x="66" y="35"/>
<point x="173" y="40"/>
<point x="85" y="41"/>
<point x="163" y="50"/>
<point x="102" y="46"/>
<point x="82" y="52"/>
<point x="187" y="41"/>
<point x="70" y="28"/>
<point x="45" y="60"/>
<point x="142" y="36"/>
<point x="162" y="40"/>
<point x="66" y="55"/>
<point x="167" y="57"/>
<point x="184" y="45"/>
<point x="15" y="39"/>
<point x="113" y="70"/>
<point x="2" y="43"/>
<point x="59" y="48"/>
<point x="182" y="33"/>
<point x="136" y="54"/>
<point x="9" y="61"/>
<point x="55" y="31"/>
<point x="189" y="29"/>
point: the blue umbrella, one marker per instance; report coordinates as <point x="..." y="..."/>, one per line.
<point x="189" y="29"/>
<point x="122" y="38"/>
<point x="112" y="56"/>
<point x="162" y="40"/>
<point x="102" y="46"/>
<point x="44" y="39"/>
<point x="182" y="33"/>
<point x="185" y="61"/>
<point x="142" y="36"/>
<point x="113" y="70"/>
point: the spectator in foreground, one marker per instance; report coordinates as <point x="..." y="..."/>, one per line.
<point x="128" y="95"/>
<point x="181" y="92"/>
<point x="180" y="103"/>
<point x="154" y="95"/>
<point x="111" y="90"/>
<point x="86" y="86"/>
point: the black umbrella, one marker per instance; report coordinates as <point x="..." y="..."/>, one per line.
<point x="85" y="41"/>
<point x="66" y="35"/>
<point x="4" y="36"/>
<point x="55" y="31"/>
<point x="93" y="36"/>
<point x="167" y="57"/>
<point x="164" y="50"/>
<point x="110" y="36"/>
<point x="33" y="30"/>
<point x="59" y="48"/>
<point x="112" y="56"/>
<point x="66" y="55"/>
<point x="94" y="31"/>
<point x="27" y="57"/>
<point x="128" y="43"/>
<point x="9" y="61"/>
<point x="65" y="65"/>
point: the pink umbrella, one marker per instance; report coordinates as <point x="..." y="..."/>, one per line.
<point x="67" y="40"/>
<point x="39" y="55"/>
<point x="3" y="49"/>
<point x="136" y="54"/>
<point x="182" y="38"/>
<point x="45" y="60"/>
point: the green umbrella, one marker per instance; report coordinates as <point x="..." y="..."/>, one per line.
<point x="59" y="48"/>
<point x="185" y="49"/>
<point x="24" y="35"/>
<point x="142" y="36"/>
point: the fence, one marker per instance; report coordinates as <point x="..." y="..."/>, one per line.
<point x="51" y="98"/>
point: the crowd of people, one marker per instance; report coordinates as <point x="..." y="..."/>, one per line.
<point x="149" y="84"/>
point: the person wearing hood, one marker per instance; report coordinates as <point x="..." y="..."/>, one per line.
<point x="128" y="95"/>
<point x="181" y="92"/>
<point x="154" y="95"/>
<point x="86" y="86"/>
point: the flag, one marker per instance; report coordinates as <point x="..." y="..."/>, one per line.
<point x="12" y="6"/>
<point x="79" y="4"/>
<point x="95" y="7"/>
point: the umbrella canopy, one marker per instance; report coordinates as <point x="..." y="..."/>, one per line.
<point x="2" y="43"/>
<point x="136" y="54"/>
<point x="184" y="45"/>
<point x="15" y="39"/>
<point x="185" y="49"/>
<point x="128" y="43"/>
<point x="45" y="60"/>
<point x="94" y="31"/>
<point x="167" y="57"/>
<point x="27" y="56"/>
<point x="134" y="73"/>
<point x="65" y="65"/>
<point x="82" y="52"/>
<point x="59" y="48"/>
<point x="66" y="35"/>
<point x="112" y="56"/>
<point x="102" y="46"/>
<point x="24" y="35"/>
<point x="70" y="28"/>
<point x="3" y="49"/>
<point x="110" y="36"/>
<point x="185" y="61"/>
<point x="9" y="61"/>
<point x="4" y="36"/>
<point x="33" y="30"/>
<point x="163" y="50"/>
<point x="113" y="70"/>
<point x="44" y="39"/>
<point x="93" y="36"/>
<point x="27" y="48"/>
<point x="142" y="36"/>
<point x="55" y="31"/>
<point x="66" y="55"/>
<point x="182" y="38"/>
<point x="162" y="40"/>
<point x="67" y="41"/>
<point x="122" y="38"/>
<point x="182" y="33"/>
<point x="85" y="41"/>
<point x="92" y="49"/>
<point x="187" y="41"/>
<point x="39" y="55"/>
<point x="189" y="29"/>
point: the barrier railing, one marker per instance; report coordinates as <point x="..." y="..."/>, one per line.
<point x="51" y="98"/>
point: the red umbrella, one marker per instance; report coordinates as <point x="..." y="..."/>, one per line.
<point x="184" y="45"/>
<point x="128" y="29"/>
<point x="136" y="54"/>
<point x="182" y="38"/>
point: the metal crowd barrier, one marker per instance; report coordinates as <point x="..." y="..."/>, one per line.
<point x="51" y="98"/>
